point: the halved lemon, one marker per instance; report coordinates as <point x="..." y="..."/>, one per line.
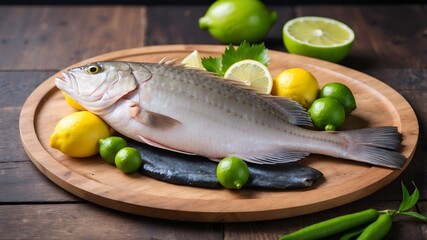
<point x="193" y="60"/>
<point x="318" y="37"/>
<point x="252" y="73"/>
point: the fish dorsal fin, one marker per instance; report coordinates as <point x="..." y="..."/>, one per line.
<point x="171" y="62"/>
<point x="292" y="110"/>
<point x="274" y="157"/>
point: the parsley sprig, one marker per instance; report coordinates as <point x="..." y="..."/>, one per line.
<point x="231" y="55"/>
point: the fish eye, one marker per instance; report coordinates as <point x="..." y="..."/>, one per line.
<point x="93" y="69"/>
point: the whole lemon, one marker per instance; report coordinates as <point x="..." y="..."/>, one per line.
<point x="232" y="21"/>
<point x="297" y="84"/>
<point x="72" y="102"/>
<point x="77" y="134"/>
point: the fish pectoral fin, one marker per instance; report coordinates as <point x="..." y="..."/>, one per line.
<point x="272" y="157"/>
<point x="158" y="145"/>
<point x="134" y="109"/>
<point x="152" y="119"/>
<point x="292" y="110"/>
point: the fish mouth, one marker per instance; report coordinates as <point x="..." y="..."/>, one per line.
<point x="67" y="83"/>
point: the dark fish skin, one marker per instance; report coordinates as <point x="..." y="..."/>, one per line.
<point x="197" y="171"/>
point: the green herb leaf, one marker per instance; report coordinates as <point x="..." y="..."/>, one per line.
<point x="409" y="201"/>
<point x="415" y="215"/>
<point x="405" y="198"/>
<point x="219" y="65"/>
<point x="257" y="52"/>
<point x="213" y="64"/>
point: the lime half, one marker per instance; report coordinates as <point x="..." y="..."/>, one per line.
<point x="318" y="37"/>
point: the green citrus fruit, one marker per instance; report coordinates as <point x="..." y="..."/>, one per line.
<point x="108" y="147"/>
<point x="327" y="114"/>
<point x="128" y="160"/>
<point x="232" y="173"/>
<point x="318" y="37"/>
<point x="341" y="93"/>
<point x="233" y="21"/>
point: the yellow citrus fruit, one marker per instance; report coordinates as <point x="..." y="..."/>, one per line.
<point x="297" y="84"/>
<point x="318" y="37"/>
<point x="233" y="21"/>
<point x="341" y="93"/>
<point x="232" y="173"/>
<point x="193" y="60"/>
<point x="252" y="73"/>
<point x="327" y="114"/>
<point x="72" y="102"/>
<point x="77" y="134"/>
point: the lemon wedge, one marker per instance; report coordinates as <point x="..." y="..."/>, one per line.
<point x="193" y="60"/>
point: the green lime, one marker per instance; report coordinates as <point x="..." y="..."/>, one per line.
<point x="108" y="147"/>
<point x="232" y="172"/>
<point x="327" y="114"/>
<point x="233" y="21"/>
<point x="128" y="160"/>
<point x="318" y="37"/>
<point x="341" y="93"/>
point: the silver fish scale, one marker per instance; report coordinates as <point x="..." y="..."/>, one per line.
<point x="207" y="88"/>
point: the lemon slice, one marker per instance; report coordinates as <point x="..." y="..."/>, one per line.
<point x="251" y="73"/>
<point x="318" y="37"/>
<point x="193" y="60"/>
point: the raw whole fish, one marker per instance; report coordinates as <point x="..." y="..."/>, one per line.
<point x="191" y="111"/>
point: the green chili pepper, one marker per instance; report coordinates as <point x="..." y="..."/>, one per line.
<point x="378" y="229"/>
<point x="333" y="226"/>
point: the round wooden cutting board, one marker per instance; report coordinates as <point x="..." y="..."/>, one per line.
<point x="101" y="183"/>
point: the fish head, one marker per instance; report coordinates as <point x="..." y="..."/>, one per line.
<point x="99" y="85"/>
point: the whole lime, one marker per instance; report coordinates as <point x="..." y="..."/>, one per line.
<point x="128" y="160"/>
<point x="341" y="93"/>
<point x="232" y="173"/>
<point x="327" y="114"/>
<point x="233" y="21"/>
<point x="108" y="147"/>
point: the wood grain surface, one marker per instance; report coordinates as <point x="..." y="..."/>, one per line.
<point x="36" y="41"/>
<point x="96" y="181"/>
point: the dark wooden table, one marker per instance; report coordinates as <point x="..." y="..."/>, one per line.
<point x="38" y="41"/>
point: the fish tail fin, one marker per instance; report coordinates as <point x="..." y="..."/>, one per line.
<point x="377" y="146"/>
